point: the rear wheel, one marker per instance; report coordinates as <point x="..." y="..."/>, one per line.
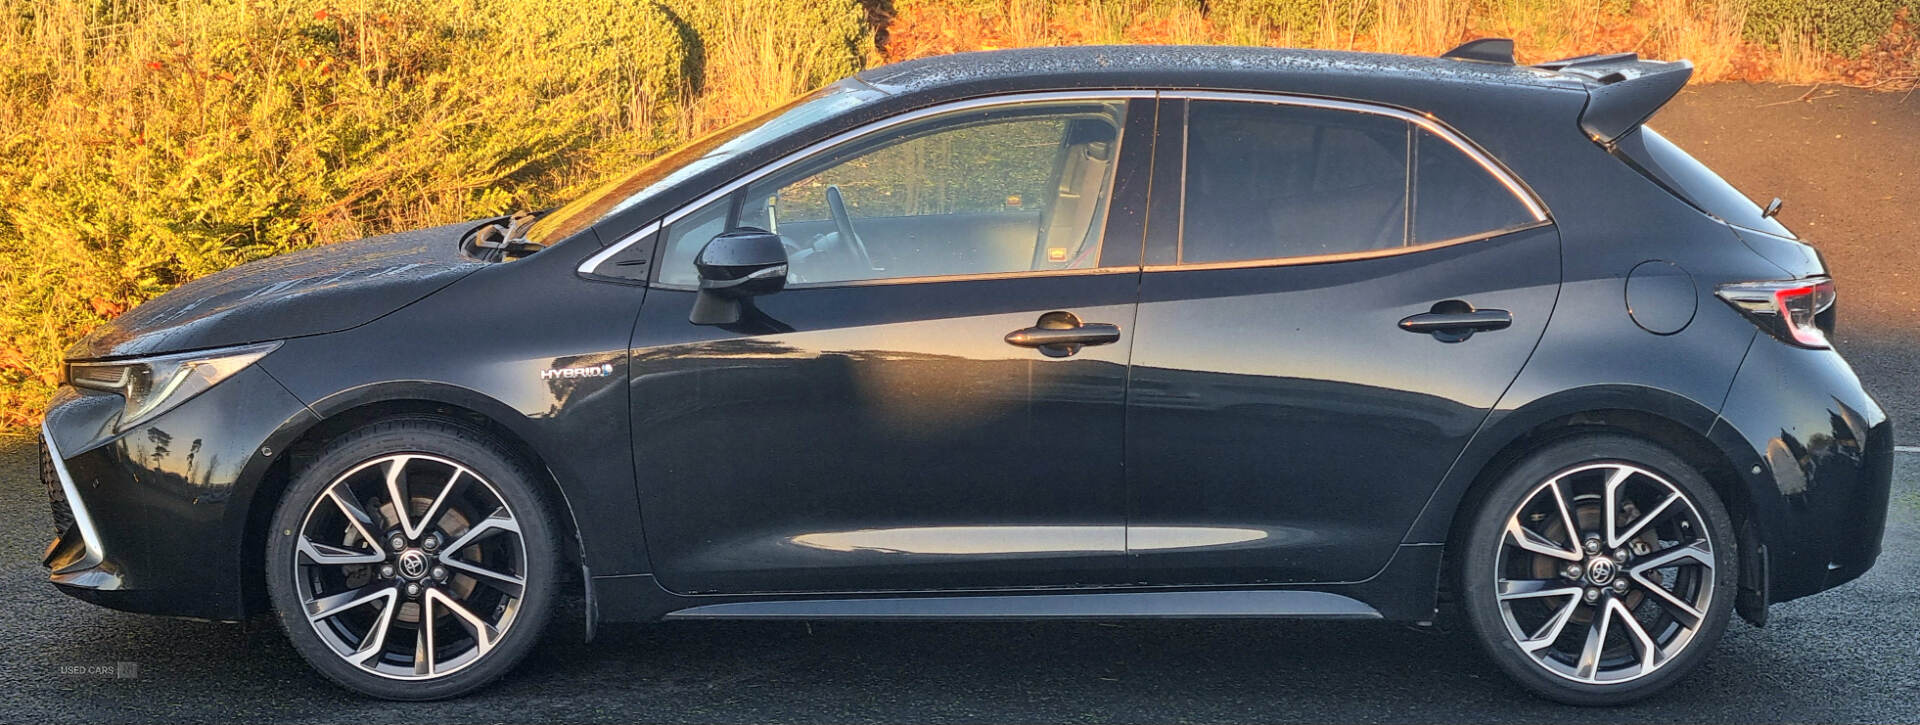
<point x="1599" y="570"/>
<point x="413" y="560"/>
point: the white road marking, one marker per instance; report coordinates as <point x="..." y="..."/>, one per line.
<point x="1906" y="449"/>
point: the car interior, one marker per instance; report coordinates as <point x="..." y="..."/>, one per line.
<point x="1269" y="182"/>
<point x="996" y="191"/>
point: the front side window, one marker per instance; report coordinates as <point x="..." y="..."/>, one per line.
<point x="1013" y="188"/>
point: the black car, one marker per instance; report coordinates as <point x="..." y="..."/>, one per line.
<point x="1054" y="333"/>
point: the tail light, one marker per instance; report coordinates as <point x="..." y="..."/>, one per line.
<point x="1798" y="311"/>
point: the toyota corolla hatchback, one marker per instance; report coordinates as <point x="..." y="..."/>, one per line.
<point x="1057" y="333"/>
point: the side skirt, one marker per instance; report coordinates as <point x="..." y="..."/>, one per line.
<point x="1402" y="591"/>
<point x="1111" y="605"/>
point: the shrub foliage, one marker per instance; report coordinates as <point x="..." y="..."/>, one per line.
<point x="1839" y="26"/>
<point x="145" y="143"/>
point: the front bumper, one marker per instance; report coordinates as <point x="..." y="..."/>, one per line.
<point x="157" y="519"/>
<point x="75" y="557"/>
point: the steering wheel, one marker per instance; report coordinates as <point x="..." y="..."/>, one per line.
<point x="856" y="250"/>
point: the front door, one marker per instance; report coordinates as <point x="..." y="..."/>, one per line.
<point x="1342" y="299"/>
<point x="904" y="416"/>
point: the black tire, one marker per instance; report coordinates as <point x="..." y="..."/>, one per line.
<point x="508" y="481"/>
<point x="1486" y="556"/>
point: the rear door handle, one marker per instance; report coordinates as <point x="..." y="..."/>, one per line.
<point x="1454" y="326"/>
<point x="1092" y="333"/>
<point x="1060" y="334"/>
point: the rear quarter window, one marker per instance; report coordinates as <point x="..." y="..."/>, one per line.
<point x="1667" y="165"/>
<point x="1455" y="198"/>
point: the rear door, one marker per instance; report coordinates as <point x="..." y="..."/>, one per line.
<point x="877" y="425"/>
<point x="1335" y="296"/>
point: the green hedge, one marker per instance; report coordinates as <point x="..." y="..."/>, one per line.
<point x="1841" y="26"/>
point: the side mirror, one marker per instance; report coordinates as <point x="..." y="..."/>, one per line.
<point x="733" y="267"/>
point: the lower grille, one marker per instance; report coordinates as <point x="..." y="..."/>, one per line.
<point x="62" y="511"/>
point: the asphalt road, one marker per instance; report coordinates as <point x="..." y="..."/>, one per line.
<point x="1849" y="655"/>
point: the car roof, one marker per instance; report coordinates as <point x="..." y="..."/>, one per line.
<point x="1216" y="67"/>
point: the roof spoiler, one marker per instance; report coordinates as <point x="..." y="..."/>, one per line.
<point x="1623" y="91"/>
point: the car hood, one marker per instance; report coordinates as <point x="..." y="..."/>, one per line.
<point x="310" y="292"/>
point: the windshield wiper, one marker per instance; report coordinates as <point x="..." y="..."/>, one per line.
<point x="511" y="239"/>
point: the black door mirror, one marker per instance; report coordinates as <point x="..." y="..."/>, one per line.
<point x="733" y="267"/>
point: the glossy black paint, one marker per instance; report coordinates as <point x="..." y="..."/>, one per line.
<point x="1825" y="445"/>
<point x="169" y="497"/>
<point x="310" y="292"/>
<point x="481" y="346"/>
<point x="1661" y="297"/>
<point x="734" y="267"/>
<point x="866" y="447"/>
<point x="1313" y="355"/>
<point x="1268" y="427"/>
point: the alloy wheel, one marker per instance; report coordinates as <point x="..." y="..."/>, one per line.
<point x="1604" y="573"/>
<point x="410" y="566"/>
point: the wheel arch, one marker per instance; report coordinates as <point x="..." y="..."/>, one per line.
<point x="1675" y="423"/>
<point x="340" y="414"/>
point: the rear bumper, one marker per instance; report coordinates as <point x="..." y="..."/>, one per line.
<point x="156" y="519"/>
<point x="1818" y="466"/>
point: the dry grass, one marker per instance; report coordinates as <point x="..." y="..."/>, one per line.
<point x="759" y="53"/>
<point x="1419" y="27"/>
<point x="1799" y="59"/>
<point x="1027" y="21"/>
<point x="1711" y="33"/>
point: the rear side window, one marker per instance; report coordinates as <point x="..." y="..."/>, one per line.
<point x="1665" y="163"/>
<point x="1275" y="181"/>
<point x="1455" y="197"/>
<point x="1269" y="181"/>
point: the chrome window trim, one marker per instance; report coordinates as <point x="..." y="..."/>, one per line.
<point x="1345" y="256"/>
<point x="973" y="277"/>
<point x="603" y="255"/>
<point x="1425" y="121"/>
<point x="594" y="261"/>
<point x="89" y="536"/>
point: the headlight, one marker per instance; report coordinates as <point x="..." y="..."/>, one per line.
<point x="154" y="385"/>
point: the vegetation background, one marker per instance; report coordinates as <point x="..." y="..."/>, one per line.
<point x="147" y="142"/>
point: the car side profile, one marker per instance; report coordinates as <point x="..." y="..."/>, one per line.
<point x="1095" y="332"/>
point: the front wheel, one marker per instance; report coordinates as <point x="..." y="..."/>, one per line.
<point x="412" y="560"/>
<point x="1599" y="570"/>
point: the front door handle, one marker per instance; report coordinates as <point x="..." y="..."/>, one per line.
<point x="1059" y="334"/>
<point x="1453" y="321"/>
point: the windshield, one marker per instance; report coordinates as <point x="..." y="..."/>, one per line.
<point x="696" y="157"/>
